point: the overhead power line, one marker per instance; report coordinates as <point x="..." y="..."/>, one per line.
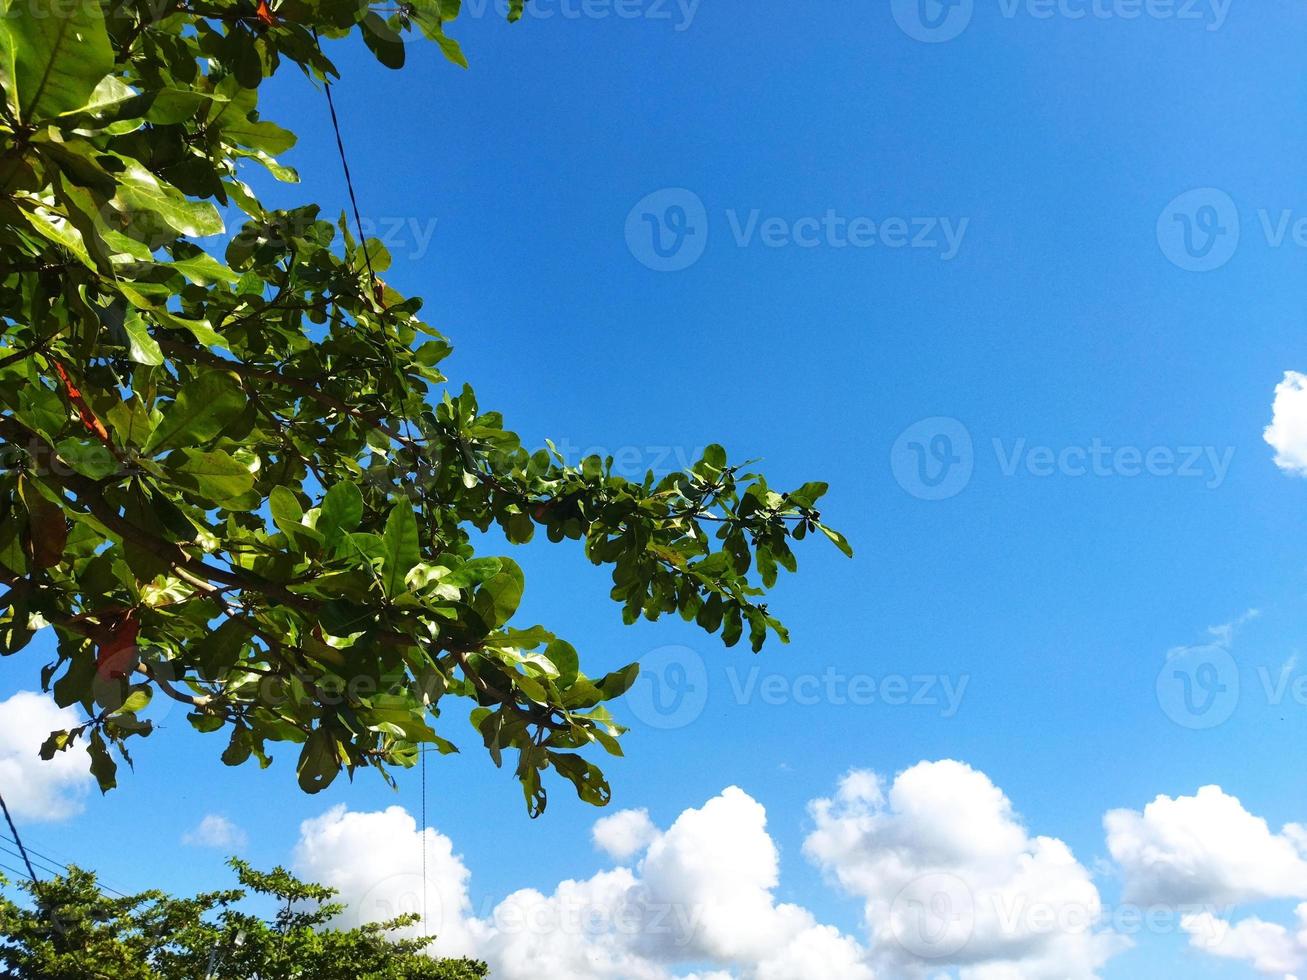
<point x="52" y="866"/>
<point x="18" y="840"/>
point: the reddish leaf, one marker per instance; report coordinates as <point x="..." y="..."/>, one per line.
<point x="89" y="419"/>
<point x="117" y="643"/>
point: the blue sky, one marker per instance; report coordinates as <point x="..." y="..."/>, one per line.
<point x="1042" y="305"/>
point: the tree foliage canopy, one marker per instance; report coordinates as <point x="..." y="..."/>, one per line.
<point x="240" y="480"/>
<point x="71" y="930"/>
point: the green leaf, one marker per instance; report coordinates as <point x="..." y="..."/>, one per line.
<point x="136" y="701"/>
<point x="288" y="515"/>
<point x="265" y="136"/>
<point x="204" y="270"/>
<point x="131" y="420"/>
<point x="431" y="22"/>
<point x="617" y="683"/>
<point x="341" y="618"/>
<point x="474" y="572"/>
<point x="563" y="656"/>
<point x="103" y="768"/>
<point x="59" y="230"/>
<point x="109" y="94"/>
<point x="838" y="539"/>
<point x="499" y="597"/>
<point x="141" y="193"/>
<point x="202" y="409"/>
<point x="169" y="106"/>
<point x="46" y="525"/>
<point x="52" y="56"/>
<point x="142" y="348"/>
<point x="591" y="786"/>
<point x="238" y="747"/>
<point x="342" y="510"/>
<point x="220" y="649"/>
<point x="318" y="763"/>
<point x="401" y="549"/>
<point x="214" y="474"/>
<point x="809" y="493"/>
<point x="88" y="457"/>
<point x="382" y="41"/>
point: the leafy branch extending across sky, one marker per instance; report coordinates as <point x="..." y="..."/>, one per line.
<point x="241" y="482"/>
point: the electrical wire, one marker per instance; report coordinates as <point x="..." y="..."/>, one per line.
<point x="18" y="840"/>
<point x="54" y="866"/>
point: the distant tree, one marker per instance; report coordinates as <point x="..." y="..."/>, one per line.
<point x="71" y="930"/>
<point x="240" y="481"/>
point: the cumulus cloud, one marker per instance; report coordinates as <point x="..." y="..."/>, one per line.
<point x="1205" y="849"/>
<point x="624" y="834"/>
<point x="36" y="790"/>
<point x="1267" y="947"/>
<point x="951" y="881"/>
<point x="950" y="877"/>
<point x="375" y="861"/>
<point x="703" y="893"/>
<point x="719" y="867"/>
<point x="1287" y="432"/>
<point x="216" y="831"/>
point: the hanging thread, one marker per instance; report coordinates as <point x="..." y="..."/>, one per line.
<point x="424" y="840"/>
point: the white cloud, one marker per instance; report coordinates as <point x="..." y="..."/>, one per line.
<point x="1265" y="946"/>
<point x="950" y="877"/>
<point x="34" y="789"/>
<point x="717" y="867"/>
<point x="702" y="894"/>
<point x="1223" y="634"/>
<point x="624" y="834"/>
<point x="1205" y="849"/>
<point x="952" y="883"/>
<point x="375" y="861"/>
<point x="216" y="831"/>
<point x="1287" y="432"/>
